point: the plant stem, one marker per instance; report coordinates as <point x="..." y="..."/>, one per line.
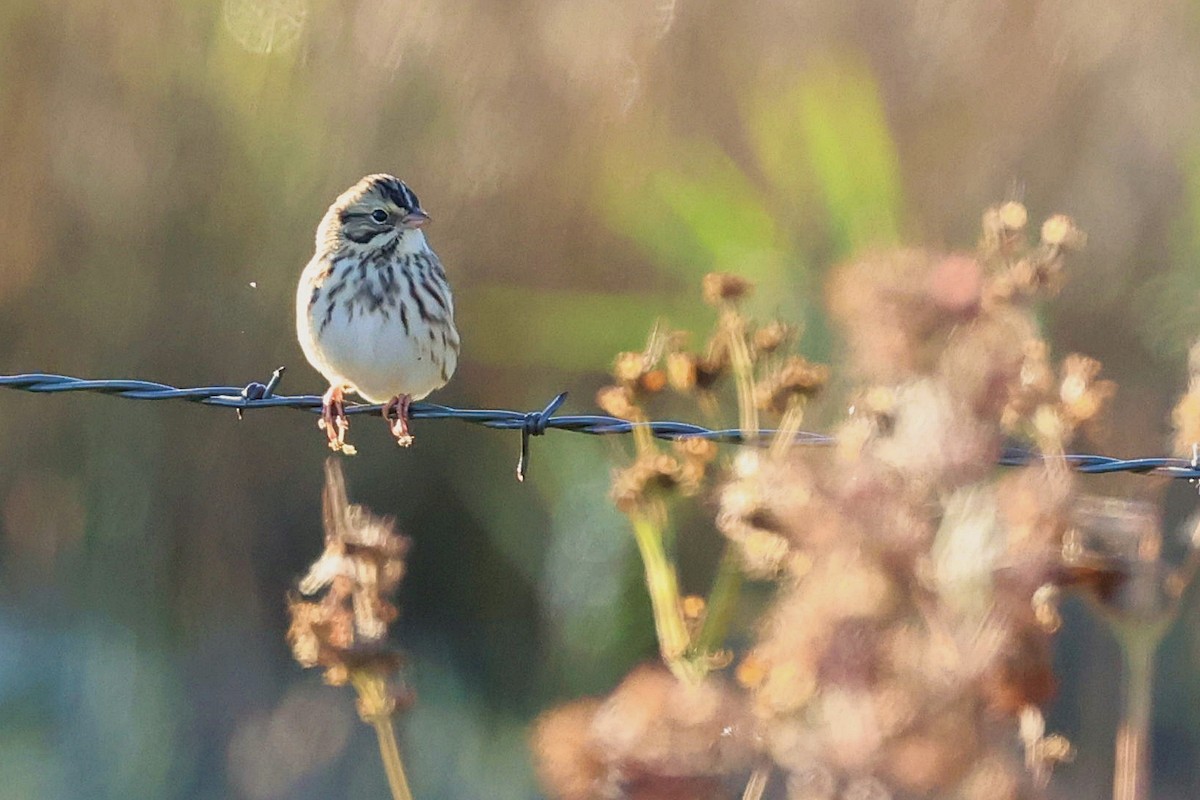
<point x="743" y="371"/>
<point x="722" y="600"/>
<point x="1131" y="774"/>
<point x="789" y="426"/>
<point x="389" y="751"/>
<point x="757" y="784"/>
<point x="376" y="709"/>
<point x="663" y="585"/>
<point x="1139" y="631"/>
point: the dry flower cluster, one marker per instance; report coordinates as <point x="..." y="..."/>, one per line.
<point x="341" y="615"/>
<point x="906" y="652"/>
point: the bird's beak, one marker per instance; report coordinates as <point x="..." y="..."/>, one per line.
<point x="414" y="219"/>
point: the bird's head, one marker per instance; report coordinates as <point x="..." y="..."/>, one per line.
<point x="373" y="213"/>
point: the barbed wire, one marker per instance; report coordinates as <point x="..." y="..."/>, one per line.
<point x="533" y="423"/>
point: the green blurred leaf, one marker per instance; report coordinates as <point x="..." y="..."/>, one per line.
<point x="824" y="131"/>
<point x="692" y="209"/>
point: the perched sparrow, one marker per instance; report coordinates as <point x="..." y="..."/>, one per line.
<point x="373" y="310"/>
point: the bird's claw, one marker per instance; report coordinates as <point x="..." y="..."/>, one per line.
<point x="334" y="422"/>
<point x="395" y="412"/>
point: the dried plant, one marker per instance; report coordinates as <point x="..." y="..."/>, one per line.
<point x="906" y="650"/>
<point x="341" y="613"/>
<point x="690" y="630"/>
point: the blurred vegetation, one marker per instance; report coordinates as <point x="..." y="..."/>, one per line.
<point x="165" y="165"/>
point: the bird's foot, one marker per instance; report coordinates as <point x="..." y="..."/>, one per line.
<point x="333" y="420"/>
<point x="395" y="413"/>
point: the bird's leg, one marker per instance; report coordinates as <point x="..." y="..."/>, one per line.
<point x="333" y="419"/>
<point x="395" y="412"/>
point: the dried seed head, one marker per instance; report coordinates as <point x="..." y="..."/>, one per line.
<point x="681" y="371"/>
<point x="652" y="382"/>
<point x="1081" y="395"/>
<point x="797" y="379"/>
<point x="752" y="671"/>
<point x="693" y="606"/>
<point x="763" y="554"/>
<point x="618" y="401"/>
<point x="651" y="474"/>
<point x="1054" y="749"/>
<point x="1045" y="607"/>
<point x="1042" y="753"/>
<point x="628" y="367"/>
<point x="748" y="521"/>
<point x="711" y="369"/>
<point x="320" y="635"/>
<point x="341" y="622"/>
<point x="722" y="287"/>
<point x="696" y="448"/>
<point x="1034" y="276"/>
<point x="1026" y="272"/>
<point x="1003" y="229"/>
<point x="1061" y="231"/>
<point x="1013" y="216"/>
<point x="636" y="373"/>
<point x="773" y="336"/>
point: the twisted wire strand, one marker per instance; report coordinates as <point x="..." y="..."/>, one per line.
<point x="532" y="423"/>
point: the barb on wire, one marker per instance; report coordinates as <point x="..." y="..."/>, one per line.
<point x="532" y="423"/>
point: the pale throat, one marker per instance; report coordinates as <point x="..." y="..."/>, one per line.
<point x="412" y="241"/>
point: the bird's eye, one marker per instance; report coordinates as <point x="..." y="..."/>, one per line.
<point x="379" y="215"/>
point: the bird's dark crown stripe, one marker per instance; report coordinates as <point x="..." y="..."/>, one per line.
<point x="411" y="200"/>
<point x="397" y="192"/>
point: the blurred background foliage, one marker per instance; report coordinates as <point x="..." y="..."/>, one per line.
<point x="164" y="166"/>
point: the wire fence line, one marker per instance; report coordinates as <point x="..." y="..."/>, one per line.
<point x="532" y="423"/>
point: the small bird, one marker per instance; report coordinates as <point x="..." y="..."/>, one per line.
<point x="374" y="313"/>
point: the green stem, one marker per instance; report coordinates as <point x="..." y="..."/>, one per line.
<point x="722" y="601"/>
<point x="743" y="372"/>
<point x="663" y="585"/>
